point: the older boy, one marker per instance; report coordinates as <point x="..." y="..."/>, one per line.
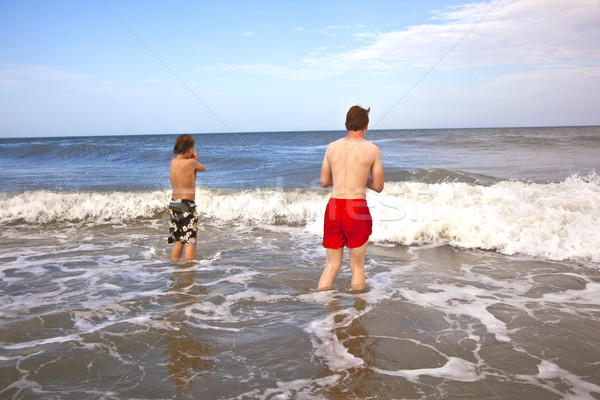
<point x="183" y="224"/>
<point x="351" y="165"/>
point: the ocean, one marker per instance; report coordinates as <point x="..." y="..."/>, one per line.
<point x="483" y="270"/>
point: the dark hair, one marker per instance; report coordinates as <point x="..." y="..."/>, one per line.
<point x="183" y="143"/>
<point x="357" y="118"/>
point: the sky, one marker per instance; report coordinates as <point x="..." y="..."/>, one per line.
<point x="108" y="67"/>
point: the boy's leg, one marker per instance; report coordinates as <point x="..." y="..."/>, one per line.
<point x="332" y="266"/>
<point x="357" y="266"/>
<point x="190" y="251"/>
<point x="177" y="250"/>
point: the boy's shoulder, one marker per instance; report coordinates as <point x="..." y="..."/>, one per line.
<point x="179" y="163"/>
<point x="370" y="144"/>
<point x="184" y="160"/>
<point x="336" y="142"/>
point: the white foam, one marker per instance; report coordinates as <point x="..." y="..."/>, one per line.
<point x="549" y="373"/>
<point x="47" y="206"/>
<point x="97" y="311"/>
<point x="556" y="221"/>
<point x="586" y="296"/>
<point x="299" y="388"/>
<point x="257" y="296"/>
<point x="466" y="300"/>
<point x="144" y="321"/>
<point x="202" y="312"/>
<point x="265" y="206"/>
<point x="326" y="343"/>
<point x="456" y="369"/>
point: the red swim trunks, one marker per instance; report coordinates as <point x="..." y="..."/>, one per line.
<point x="347" y="223"/>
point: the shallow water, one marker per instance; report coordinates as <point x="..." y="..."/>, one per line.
<point x="99" y="312"/>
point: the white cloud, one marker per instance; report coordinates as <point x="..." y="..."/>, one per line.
<point x="36" y="78"/>
<point x="516" y="32"/>
<point x="498" y="32"/>
<point x="549" y="79"/>
<point x="273" y="71"/>
<point x="542" y="95"/>
<point x="51" y="81"/>
<point x="247" y="33"/>
<point x="522" y="32"/>
<point x="548" y="95"/>
<point x="561" y="91"/>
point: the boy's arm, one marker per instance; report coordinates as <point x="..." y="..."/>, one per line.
<point x="326" y="176"/>
<point x="375" y="181"/>
<point x="198" y="167"/>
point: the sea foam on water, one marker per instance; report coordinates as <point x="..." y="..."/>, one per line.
<point x="555" y="221"/>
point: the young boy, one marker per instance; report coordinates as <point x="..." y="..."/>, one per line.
<point x="351" y="165"/>
<point x="183" y="224"/>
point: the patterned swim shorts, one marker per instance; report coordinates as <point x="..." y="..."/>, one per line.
<point x="183" y="221"/>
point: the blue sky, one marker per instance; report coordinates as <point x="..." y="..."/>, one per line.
<point x="112" y="67"/>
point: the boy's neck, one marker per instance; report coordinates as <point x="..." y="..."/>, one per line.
<point x="356" y="134"/>
<point x="184" y="156"/>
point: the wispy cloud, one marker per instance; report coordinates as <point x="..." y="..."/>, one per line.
<point x="275" y="71"/>
<point x="37" y="78"/>
<point x="331" y="30"/>
<point x="536" y="79"/>
<point x="515" y="32"/>
<point x="51" y="81"/>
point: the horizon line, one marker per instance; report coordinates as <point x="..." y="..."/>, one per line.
<point x="292" y="131"/>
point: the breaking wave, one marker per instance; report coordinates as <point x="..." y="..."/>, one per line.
<point x="556" y="221"/>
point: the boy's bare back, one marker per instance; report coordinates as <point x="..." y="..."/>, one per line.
<point x="347" y="165"/>
<point x="183" y="176"/>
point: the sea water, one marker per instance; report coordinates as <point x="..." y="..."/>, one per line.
<point x="482" y="270"/>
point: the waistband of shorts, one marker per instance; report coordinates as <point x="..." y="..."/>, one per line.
<point x="348" y="202"/>
<point x="184" y="201"/>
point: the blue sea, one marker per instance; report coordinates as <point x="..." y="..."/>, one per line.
<point x="483" y="270"/>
